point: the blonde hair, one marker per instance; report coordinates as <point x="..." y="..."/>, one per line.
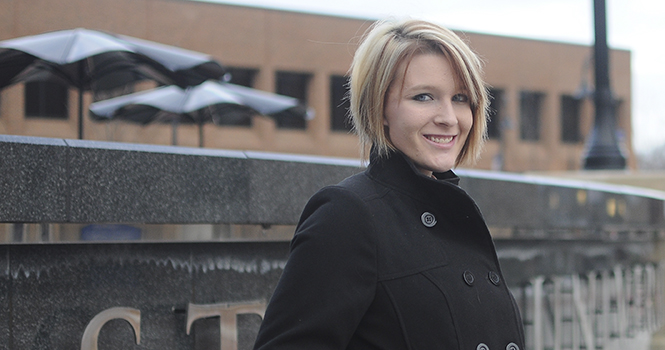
<point x="375" y="63"/>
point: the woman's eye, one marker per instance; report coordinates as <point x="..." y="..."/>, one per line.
<point x="461" y="98"/>
<point x="422" y="97"/>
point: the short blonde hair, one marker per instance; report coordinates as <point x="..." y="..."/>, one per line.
<point x="388" y="43"/>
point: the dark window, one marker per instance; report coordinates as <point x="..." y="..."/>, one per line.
<point x="45" y="99"/>
<point x="339" y="104"/>
<point x="114" y="84"/>
<point x="570" y="119"/>
<point x="242" y="76"/>
<point x="530" y="110"/>
<point x="295" y="85"/>
<point x="234" y="115"/>
<point x="229" y="115"/>
<point x="105" y="94"/>
<point x="495" y="114"/>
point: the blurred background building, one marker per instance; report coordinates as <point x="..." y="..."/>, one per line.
<point x="542" y="91"/>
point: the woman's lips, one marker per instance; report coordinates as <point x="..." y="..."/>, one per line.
<point x="439" y="139"/>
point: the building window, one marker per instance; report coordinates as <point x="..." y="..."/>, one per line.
<point x="44" y="99"/>
<point x="570" y="119"/>
<point x="235" y="115"/>
<point x="339" y="104"/>
<point x="114" y="84"/>
<point x="495" y="114"/>
<point x="230" y="114"/>
<point x="242" y="76"/>
<point x="295" y="85"/>
<point x="530" y="111"/>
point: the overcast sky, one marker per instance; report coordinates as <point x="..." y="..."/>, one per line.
<point x="636" y="25"/>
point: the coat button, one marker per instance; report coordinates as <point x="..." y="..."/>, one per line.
<point x="468" y="278"/>
<point x="512" y="346"/>
<point x="482" y="346"/>
<point x="428" y="219"/>
<point x="494" y="278"/>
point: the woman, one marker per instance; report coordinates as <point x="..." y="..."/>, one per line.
<point x="399" y="256"/>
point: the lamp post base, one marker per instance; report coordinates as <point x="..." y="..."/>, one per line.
<point x="604" y="158"/>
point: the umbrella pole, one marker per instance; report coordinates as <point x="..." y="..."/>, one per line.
<point x="81" y="71"/>
<point x="80" y="113"/>
<point x="200" y="134"/>
<point x="174" y="133"/>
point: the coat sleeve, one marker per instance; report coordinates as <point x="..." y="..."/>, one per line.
<point x="329" y="280"/>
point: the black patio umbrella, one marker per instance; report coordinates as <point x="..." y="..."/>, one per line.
<point x="87" y="59"/>
<point x="211" y="101"/>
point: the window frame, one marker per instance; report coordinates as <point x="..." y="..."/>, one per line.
<point x="46" y="99"/>
<point x="340" y="104"/>
<point x="531" y="110"/>
<point x="297" y="85"/>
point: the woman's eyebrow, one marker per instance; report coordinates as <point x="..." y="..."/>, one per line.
<point x="421" y="87"/>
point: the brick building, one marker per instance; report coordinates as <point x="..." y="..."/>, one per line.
<point x="540" y="122"/>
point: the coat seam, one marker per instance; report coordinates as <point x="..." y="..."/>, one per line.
<point x="412" y="272"/>
<point x="402" y="326"/>
<point x="445" y="297"/>
<point x="373" y="233"/>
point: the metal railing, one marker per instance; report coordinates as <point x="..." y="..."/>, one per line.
<point x="615" y="309"/>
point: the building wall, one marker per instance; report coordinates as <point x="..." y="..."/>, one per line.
<point x="271" y="41"/>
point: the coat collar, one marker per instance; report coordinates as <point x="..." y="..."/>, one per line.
<point x="398" y="172"/>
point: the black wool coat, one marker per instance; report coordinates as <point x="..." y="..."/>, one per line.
<point x="391" y="259"/>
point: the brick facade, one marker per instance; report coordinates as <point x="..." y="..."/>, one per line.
<point x="321" y="47"/>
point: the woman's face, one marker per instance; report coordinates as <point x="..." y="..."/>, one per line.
<point x="427" y="115"/>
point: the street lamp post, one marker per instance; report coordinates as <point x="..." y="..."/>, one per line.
<point x="603" y="147"/>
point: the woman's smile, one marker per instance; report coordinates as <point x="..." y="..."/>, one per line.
<point x="441" y="140"/>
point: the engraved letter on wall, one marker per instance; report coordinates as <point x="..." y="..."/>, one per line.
<point x="227" y="318"/>
<point x="91" y="333"/>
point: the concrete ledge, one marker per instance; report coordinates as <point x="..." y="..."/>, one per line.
<point x="544" y="205"/>
<point x="75" y="181"/>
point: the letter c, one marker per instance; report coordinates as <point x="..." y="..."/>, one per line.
<point x="91" y="333"/>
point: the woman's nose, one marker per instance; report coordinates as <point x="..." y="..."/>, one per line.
<point x="445" y="114"/>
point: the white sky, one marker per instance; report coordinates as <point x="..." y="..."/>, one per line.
<point x="636" y="25"/>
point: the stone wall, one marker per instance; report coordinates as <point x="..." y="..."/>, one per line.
<point x="197" y="295"/>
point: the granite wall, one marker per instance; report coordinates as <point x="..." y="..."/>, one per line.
<point x="50" y="294"/>
<point x="202" y="295"/>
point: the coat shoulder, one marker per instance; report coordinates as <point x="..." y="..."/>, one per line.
<point x="339" y="210"/>
<point x="363" y="186"/>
